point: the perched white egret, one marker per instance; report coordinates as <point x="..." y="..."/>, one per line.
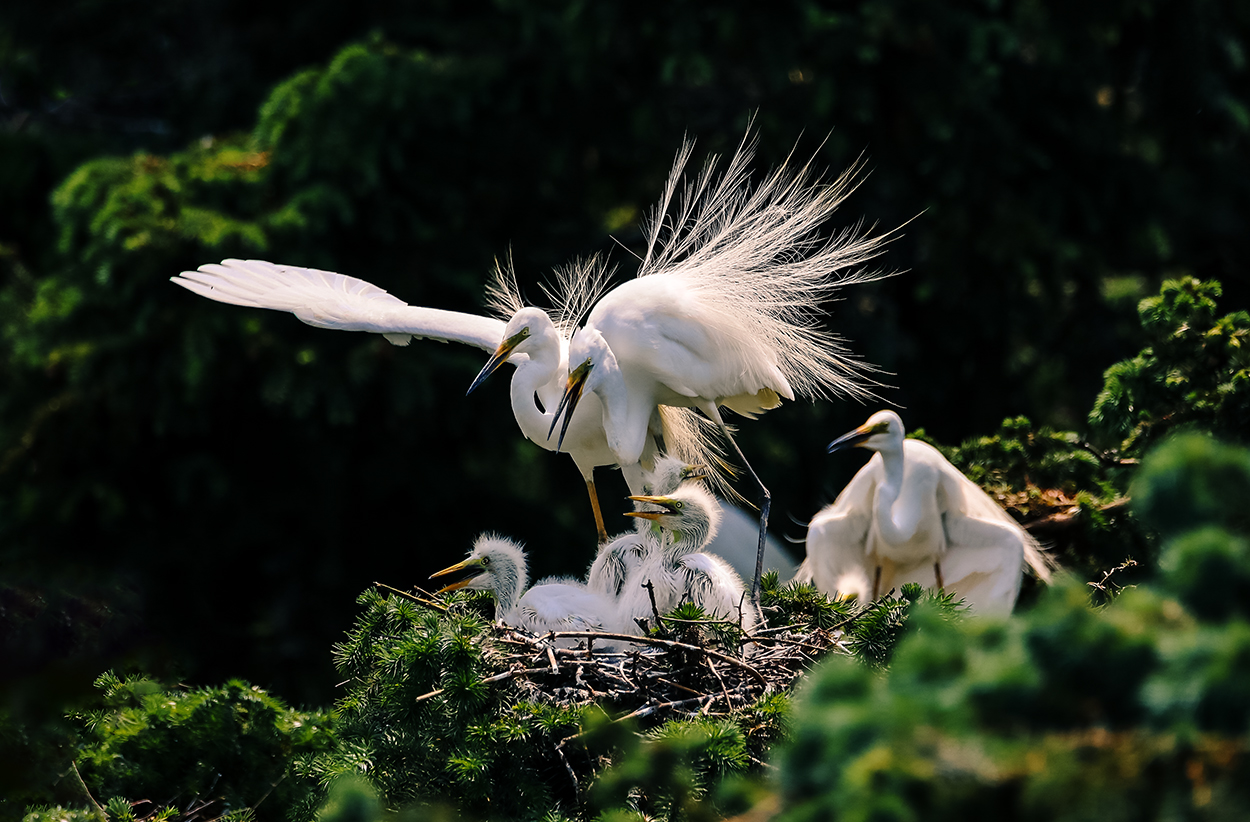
<point x="498" y="565"/>
<point x="541" y="373"/>
<point x="531" y="340"/>
<point x="617" y="559"/>
<point x="723" y="311"/>
<point x="680" y="570"/>
<point x="911" y="516"/>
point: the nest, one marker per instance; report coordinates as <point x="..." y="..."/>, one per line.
<point x="705" y="667"/>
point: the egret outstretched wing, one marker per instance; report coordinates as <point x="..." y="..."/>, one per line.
<point x="325" y="299"/>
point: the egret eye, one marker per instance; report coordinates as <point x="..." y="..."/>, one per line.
<point x="680" y="505"/>
<point x="485" y="562"/>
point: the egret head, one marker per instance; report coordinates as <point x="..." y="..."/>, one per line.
<point x="690" y="514"/>
<point x="588" y="356"/>
<point x="495" y="564"/>
<point x="883" y="431"/>
<point x="670" y="473"/>
<point x="525" y="325"/>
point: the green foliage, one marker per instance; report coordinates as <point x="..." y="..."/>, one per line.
<point x="1191" y="481"/>
<point x="420" y="725"/>
<point x="665" y="773"/>
<point x="432" y="717"/>
<point x="224" y="751"/>
<point x="874" y="631"/>
<point x="1064" y="710"/>
<point x="1021" y="457"/>
<point x="1130" y="710"/>
<point x="1194" y="372"/>
<point x="801" y="601"/>
<point x="350" y="799"/>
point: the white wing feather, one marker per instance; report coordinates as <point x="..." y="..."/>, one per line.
<point x="325" y="299"/>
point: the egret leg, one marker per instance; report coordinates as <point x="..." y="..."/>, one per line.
<point x="937" y="572"/>
<point x="594" y="503"/>
<point x="876" y="584"/>
<point x="766" y="502"/>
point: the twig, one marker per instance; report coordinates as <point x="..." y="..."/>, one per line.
<point x="428" y="603"/>
<point x="777" y="640"/>
<point x="672" y="684"/>
<point x="271" y="787"/>
<point x="791" y="627"/>
<point x="665" y="643"/>
<point x="1108" y="457"/>
<point x="651" y="594"/>
<point x="577" y="793"/>
<point x="1066" y="518"/>
<point x="647" y="710"/>
<point x="78" y="776"/>
<point x="496" y="678"/>
<point x="716" y="673"/>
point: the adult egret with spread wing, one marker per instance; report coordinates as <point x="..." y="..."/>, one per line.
<point x="911" y="516"/>
<point x="531" y="340"/>
<point x="723" y="310"/>
<point x="498" y="565"/>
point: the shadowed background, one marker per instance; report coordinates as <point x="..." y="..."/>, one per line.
<point x="204" y="489"/>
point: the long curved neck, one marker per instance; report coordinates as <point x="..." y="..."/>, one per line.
<point x="509" y="585"/>
<point x="528" y="379"/>
<point x="892" y="530"/>
<point x="625" y="413"/>
<point x="531" y="377"/>
<point x="692" y="537"/>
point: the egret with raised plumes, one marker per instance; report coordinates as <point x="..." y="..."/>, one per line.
<point x="723" y="311"/>
<point x="910" y="516"/>
<point x="531" y="341"/>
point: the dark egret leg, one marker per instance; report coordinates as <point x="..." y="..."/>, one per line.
<point x="876" y="584"/>
<point x="766" y="502"/>
<point x="937" y="572"/>
<point x="594" y="503"/>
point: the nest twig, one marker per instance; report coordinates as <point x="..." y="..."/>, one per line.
<point x="655" y="675"/>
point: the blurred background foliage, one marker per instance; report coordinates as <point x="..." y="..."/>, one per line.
<point x="203" y="490"/>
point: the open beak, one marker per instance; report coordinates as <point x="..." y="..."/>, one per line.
<point x="695" y="473"/>
<point x="568" y="403"/>
<point x="471" y="567"/>
<point x="851" y="438"/>
<point x="667" y="503"/>
<point x="498" y="358"/>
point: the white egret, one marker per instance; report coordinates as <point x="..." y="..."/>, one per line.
<point x="498" y="565"/>
<point x="723" y="311"/>
<point x="911" y="516"/>
<point x="617" y="559"/>
<point x="680" y="570"/>
<point x="531" y="340"/>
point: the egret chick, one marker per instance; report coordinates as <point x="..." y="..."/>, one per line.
<point x="617" y="559"/>
<point x="498" y="565"/>
<point x="680" y="570"/>
<point x="911" y="516"/>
